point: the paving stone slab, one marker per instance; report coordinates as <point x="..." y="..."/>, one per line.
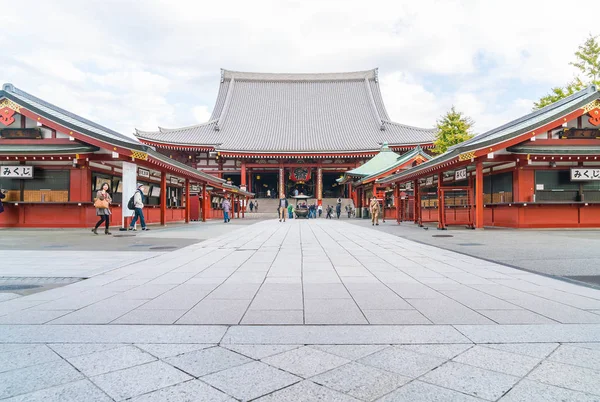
<point x="577" y="357"/>
<point x="396" y="317"/>
<point x="403" y="362"/>
<point x="25" y="357"/>
<point x="190" y="391"/>
<point x="34" y="378"/>
<point x="531" y="333"/>
<point x="163" y="350"/>
<point x="111" y="334"/>
<point x="139" y="380"/>
<point x="567" y="376"/>
<point x="307" y="391"/>
<point x="344" y="335"/>
<point x="260" y="351"/>
<point x="360" y="381"/>
<point x="447" y="351"/>
<point x="305" y="361"/>
<point x="77" y="391"/>
<point x="423" y="392"/>
<point x="471" y="380"/>
<point x="498" y="360"/>
<point x="352" y="352"/>
<point x="540" y="350"/>
<point x="250" y="380"/>
<point x="206" y="361"/>
<point x="67" y="350"/>
<point x="275" y="317"/>
<point x="516" y="317"/>
<point x="527" y="391"/>
<point x="110" y="360"/>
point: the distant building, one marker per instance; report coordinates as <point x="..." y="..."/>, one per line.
<point x="290" y="131"/>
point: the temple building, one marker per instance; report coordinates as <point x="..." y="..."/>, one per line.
<point x="539" y="171"/>
<point x="277" y="133"/>
<point x="52" y="162"/>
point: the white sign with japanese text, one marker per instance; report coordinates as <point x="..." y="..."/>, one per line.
<point x="429" y="181"/>
<point x="460" y="174"/>
<point x="585" y="174"/>
<point x="17" y="172"/>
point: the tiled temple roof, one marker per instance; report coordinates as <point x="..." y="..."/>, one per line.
<point x="296" y="113"/>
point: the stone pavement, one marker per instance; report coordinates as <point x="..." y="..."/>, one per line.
<point x="303" y="311"/>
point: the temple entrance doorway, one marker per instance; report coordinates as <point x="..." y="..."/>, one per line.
<point x="263" y="182"/>
<point x="331" y="188"/>
<point x="232" y="178"/>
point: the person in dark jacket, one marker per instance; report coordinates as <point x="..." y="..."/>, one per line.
<point x="2" y="196"/>
<point x="338" y="210"/>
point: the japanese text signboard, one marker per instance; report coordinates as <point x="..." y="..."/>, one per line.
<point x="460" y="174"/>
<point x="585" y="174"/>
<point x="16" y="172"/>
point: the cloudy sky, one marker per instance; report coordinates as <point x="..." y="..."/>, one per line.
<point x="133" y="64"/>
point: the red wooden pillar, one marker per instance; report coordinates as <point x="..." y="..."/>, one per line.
<point x="479" y="194"/>
<point x="204" y="203"/>
<point x="243" y="175"/>
<point x="250" y="183"/>
<point x="187" y="200"/>
<point x="417" y="192"/>
<point x="163" y="198"/>
<point x="397" y="201"/>
<point x="441" y="206"/>
<point x="239" y="205"/>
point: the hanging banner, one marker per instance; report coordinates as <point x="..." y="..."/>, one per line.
<point x="460" y="174"/>
<point x="585" y="174"/>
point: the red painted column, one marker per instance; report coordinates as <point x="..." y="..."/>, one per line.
<point x="163" y="198"/>
<point x="397" y="202"/>
<point x="243" y="175"/>
<point x="441" y="206"/>
<point x="204" y="203"/>
<point x="239" y="205"/>
<point x="250" y="186"/>
<point x="187" y="200"/>
<point x="319" y="185"/>
<point x="479" y="195"/>
<point x="417" y="193"/>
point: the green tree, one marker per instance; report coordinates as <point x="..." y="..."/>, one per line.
<point x="452" y="128"/>
<point x="587" y="62"/>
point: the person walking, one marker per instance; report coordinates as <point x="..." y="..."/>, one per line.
<point x="338" y="209"/>
<point x="374" y="209"/>
<point x="251" y="206"/>
<point x="320" y="209"/>
<point x="226" y="205"/>
<point x="2" y="196"/>
<point x="290" y="209"/>
<point x="268" y="193"/>
<point x="138" y="206"/>
<point x="283" y="204"/>
<point x="256" y="206"/>
<point x="102" y="205"/>
<point x="329" y="212"/>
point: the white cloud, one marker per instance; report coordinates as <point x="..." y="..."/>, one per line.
<point x="201" y="114"/>
<point x="158" y="63"/>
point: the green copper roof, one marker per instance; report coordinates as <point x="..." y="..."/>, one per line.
<point x="384" y="159"/>
<point x="45" y="149"/>
<point x="383" y="162"/>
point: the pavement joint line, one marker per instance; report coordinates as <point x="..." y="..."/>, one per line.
<point x="561" y="278"/>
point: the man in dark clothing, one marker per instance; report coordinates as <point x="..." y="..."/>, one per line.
<point x="251" y="206"/>
<point x="329" y="212"/>
<point x="338" y="210"/>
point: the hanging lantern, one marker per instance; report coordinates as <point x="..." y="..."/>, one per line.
<point x="258" y="177"/>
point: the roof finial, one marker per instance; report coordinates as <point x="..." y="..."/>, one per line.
<point x="376" y="74"/>
<point x="222" y="75"/>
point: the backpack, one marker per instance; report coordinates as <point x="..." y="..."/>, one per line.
<point x="131" y="203"/>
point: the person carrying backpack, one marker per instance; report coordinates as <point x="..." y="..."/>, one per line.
<point x="138" y="204"/>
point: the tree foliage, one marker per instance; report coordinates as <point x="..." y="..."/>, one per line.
<point x="452" y="128"/>
<point x="587" y="62"/>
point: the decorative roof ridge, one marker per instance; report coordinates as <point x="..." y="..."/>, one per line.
<point x="162" y="130"/>
<point x="225" y="108"/>
<point x="11" y="89"/>
<point x="378" y="118"/>
<point x="343" y="76"/>
<point x="579" y="94"/>
<point x="393" y="123"/>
